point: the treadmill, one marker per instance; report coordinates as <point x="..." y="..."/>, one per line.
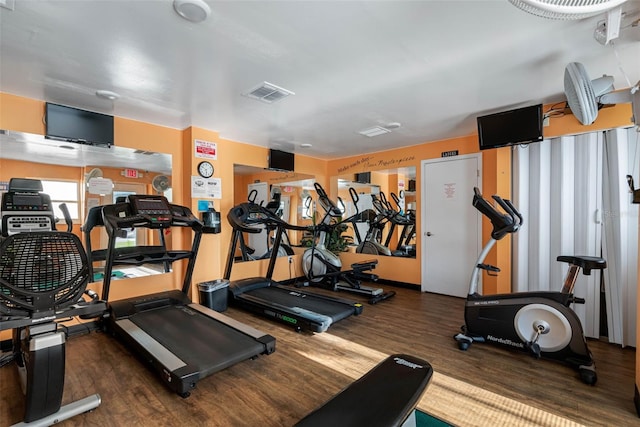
<point x="262" y="295"/>
<point x="181" y="341"/>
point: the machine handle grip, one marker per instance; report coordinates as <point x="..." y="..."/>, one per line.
<point x="515" y="210"/>
<point x="67" y="216"/>
<point x="320" y="190"/>
<point x="354" y="197"/>
<point x="252" y="196"/>
<point x="395" y="199"/>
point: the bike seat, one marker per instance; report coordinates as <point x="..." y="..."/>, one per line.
<point x="587" y="263"/>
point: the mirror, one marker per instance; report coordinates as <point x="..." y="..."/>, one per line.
<point x="131" y="171"/>
<point x="384" y="222"/>
<point x="260" y="185"/>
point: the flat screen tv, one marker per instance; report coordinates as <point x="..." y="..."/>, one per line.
<point x="519" y="126"/>
<point x="281" y="160"/>
<point x="363" y="178"/>
<point x="80" y="126"/>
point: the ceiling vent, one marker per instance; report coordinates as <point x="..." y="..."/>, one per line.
<point x="267" y="92"/>
<point x="374" y="131"/>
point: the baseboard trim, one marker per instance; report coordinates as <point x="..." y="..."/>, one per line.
<point x="399" y="284"/>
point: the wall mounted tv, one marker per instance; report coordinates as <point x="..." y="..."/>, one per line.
<point x="281" y="160"/>
<point x="519" y="126"/>
<point x="363" y="178"/>
<point x="80" y="126"/>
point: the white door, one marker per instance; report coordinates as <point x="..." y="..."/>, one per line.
<point x="451" y="226"/>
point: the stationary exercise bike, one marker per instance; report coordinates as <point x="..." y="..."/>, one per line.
<point x="539" y="322"/>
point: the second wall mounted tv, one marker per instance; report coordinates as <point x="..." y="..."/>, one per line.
<point x="281" y="160"/>
<point x="519" y="126"/>
<point x="80" y="126"/>
<point x="363" y="178"/>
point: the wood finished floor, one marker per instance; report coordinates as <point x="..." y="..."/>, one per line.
<point x="306" y="370"/>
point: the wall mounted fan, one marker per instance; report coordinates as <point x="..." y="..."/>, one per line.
<point x="586" y="96"/>
<point x="93" y="173"/>
<point x="564" y="9"/>
<point x="161" y="183"/>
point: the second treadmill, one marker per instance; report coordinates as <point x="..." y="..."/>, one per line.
<point x="262" y="295"/>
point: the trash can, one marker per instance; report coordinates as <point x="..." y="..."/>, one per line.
<point x="213" y="294"/>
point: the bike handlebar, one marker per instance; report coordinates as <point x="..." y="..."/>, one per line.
<point x="503" y="223"/>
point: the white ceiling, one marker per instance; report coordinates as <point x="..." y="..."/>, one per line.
<point x="432" y="66"/>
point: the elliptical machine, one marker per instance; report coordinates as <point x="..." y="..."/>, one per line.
<point x="323" y="267"/>
<point x="539" y="322"/>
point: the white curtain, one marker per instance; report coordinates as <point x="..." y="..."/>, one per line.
<point x="556" y="186"/>
<point x="620" y="238"/>
<point x="569" y="189"/>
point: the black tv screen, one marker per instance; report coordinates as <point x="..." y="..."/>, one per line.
<point x="363" y="178"/>
<point x="281" y="160"/>
<point x="75" y="125"/>
<point x="519" y="126"/>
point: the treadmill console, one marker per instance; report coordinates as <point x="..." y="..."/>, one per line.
<point x="155" y="208"/>
<point x="25" y="208"/>
<point x="246" y="215"/>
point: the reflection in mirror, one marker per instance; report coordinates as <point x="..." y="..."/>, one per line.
<point x="382" y="206"/>
<point x="98" y="175"/>
<point x="285" y="192"/>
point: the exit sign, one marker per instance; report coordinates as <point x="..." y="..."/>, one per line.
<point x="131" y="173"/>
<point x="449" y="153"/>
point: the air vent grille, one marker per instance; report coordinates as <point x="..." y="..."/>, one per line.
<point x="374" y="131"/>
<point x="268" y="93"/>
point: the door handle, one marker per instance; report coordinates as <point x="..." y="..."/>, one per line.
<point x="429" y="234"/>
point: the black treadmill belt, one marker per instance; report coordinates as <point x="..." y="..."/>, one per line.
<point x="333" y="309"/>
<point x="198" y="340"/>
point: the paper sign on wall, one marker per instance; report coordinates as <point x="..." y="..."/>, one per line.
<point x="450" y="190"/>
<point x="206" y="187"/>
<point x="100" y="186"/>
<point x="206" y="149"/>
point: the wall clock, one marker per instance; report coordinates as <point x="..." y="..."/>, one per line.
<point x="205" y="169"/>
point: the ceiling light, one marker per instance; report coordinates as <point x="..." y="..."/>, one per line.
<point x="374" y="131"/>
<point x="268" y="92"/>
<point x="393" y="125"/>
<point x="192" y="10"/>
<point x="306" y="145"/>
<point x="107" y="94"/>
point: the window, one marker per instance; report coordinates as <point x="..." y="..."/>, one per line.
<point x="63" y="192"/>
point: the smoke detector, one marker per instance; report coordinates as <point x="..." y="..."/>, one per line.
<point x="192" y="10"/>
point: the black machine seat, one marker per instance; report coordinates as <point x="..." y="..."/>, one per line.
<point x="587" y="263"/>
<point x="386" y="396"/>
<point x="42" y="278"/>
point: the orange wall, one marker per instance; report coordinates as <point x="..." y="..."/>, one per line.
<point x="21" y="114"/>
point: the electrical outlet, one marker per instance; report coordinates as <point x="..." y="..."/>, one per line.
<point x="290" y="259"/>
